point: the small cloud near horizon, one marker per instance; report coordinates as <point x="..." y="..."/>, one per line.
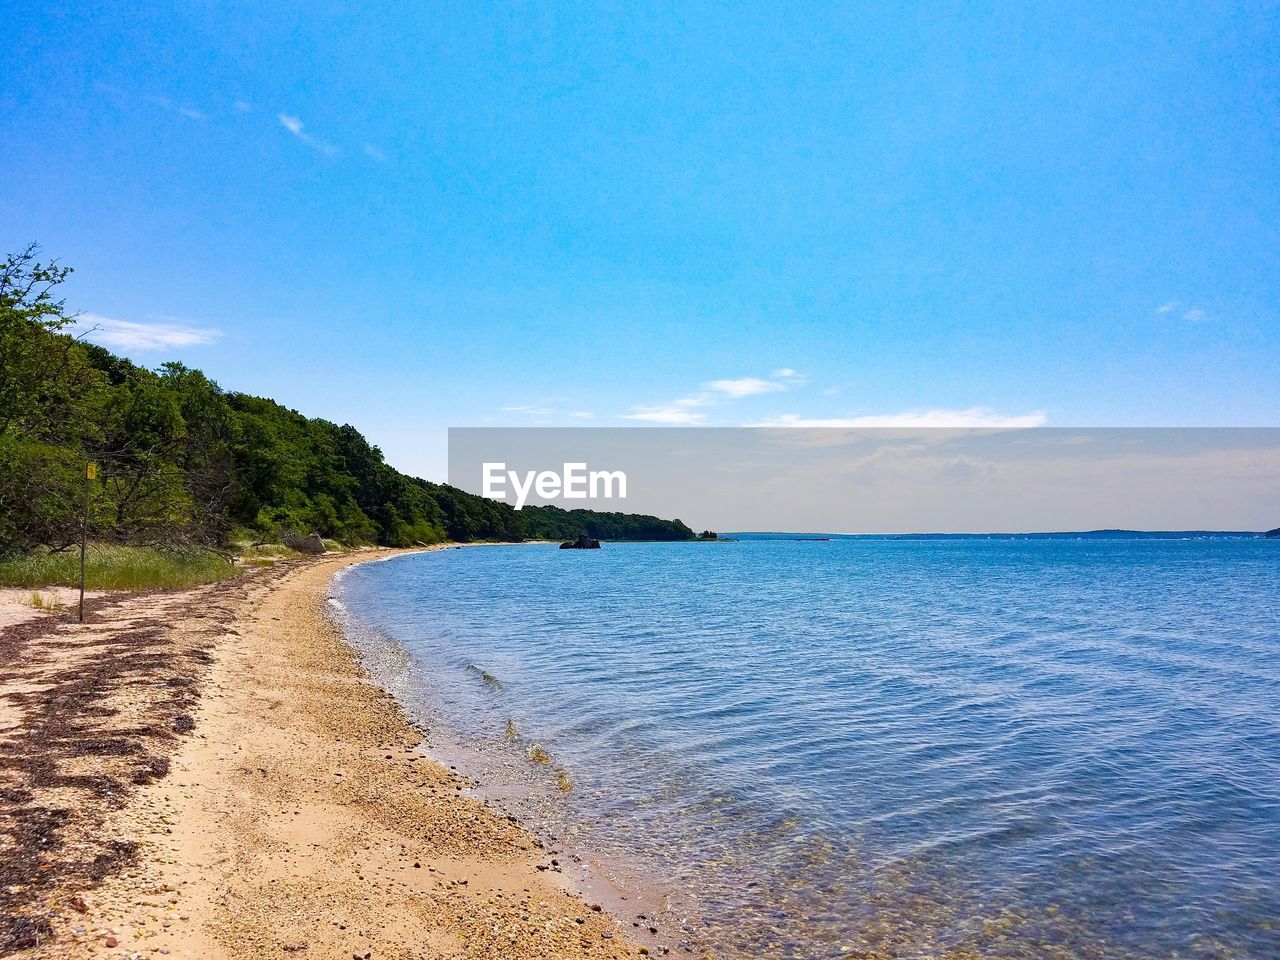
<point x="532" y="410"/>
<point x="684" y="410"/>
<point x="526" y="408"/>
<point x="671" y="413"/>
<point x="743" y="387"/>
<point x="132" y="335"/>
<point x="971" y="417"/>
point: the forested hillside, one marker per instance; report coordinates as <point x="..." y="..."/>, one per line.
<point x="184" y="463"/>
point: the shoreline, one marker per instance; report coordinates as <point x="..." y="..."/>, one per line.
<point x="515" y="790"/>
<point x="287" y="810"/>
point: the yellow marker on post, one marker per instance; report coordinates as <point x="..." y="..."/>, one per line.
<point x="93" y="471"/>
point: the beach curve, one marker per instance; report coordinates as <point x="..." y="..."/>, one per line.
<point x="288" y="811"/>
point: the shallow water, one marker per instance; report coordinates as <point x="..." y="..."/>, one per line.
<point x="1015" y="748"/>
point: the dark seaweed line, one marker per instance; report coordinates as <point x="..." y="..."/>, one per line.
<point x="68" y="719"/>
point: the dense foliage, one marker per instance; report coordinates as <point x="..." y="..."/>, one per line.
<point x="182" y="462"/>
<point x="552" y="523"/>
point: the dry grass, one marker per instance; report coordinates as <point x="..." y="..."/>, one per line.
<point x="115" y="568"/>
<point x="47" y="604"/>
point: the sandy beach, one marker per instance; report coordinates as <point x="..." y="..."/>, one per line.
<point x="207" y="773"/>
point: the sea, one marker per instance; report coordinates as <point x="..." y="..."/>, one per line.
<point x="866" y="746"/>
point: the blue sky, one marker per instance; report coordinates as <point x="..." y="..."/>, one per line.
<point x="416" y="216"/>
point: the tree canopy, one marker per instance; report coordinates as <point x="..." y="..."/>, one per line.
<point x="183" y="462"/>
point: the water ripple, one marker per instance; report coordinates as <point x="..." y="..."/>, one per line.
<point x="922" y="748"/>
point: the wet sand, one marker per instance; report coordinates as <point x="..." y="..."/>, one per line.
<point x="208" y="773"/>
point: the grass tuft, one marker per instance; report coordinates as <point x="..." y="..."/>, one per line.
<point x="265" y="554"/>
<point x="115" y="568"/>
<point x="48" y="604"/>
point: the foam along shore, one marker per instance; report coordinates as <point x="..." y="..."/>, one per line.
<point x="208" y="773"/>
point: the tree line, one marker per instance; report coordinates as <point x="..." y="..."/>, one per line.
<point x="184" y="463"/>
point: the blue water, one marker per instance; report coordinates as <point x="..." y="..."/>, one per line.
<point x="863" y="747"/>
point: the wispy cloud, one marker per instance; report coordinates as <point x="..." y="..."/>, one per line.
<point x="131" y="335"/>
<point x="296" y="127"/>
<point x="670" y="413"/>
<point x="373" y="153"/>
<point x="242" y="106"/>
<point x="182" y="110"/>
<point x="1188" y="312"/>
<point x="971" y="417"/>
<point x="530" y="410"/>
<point x="539" y="413"/>
<point x="792" y="378"/>
<point x="743" y="387"/>
<point x="685" y="410"/>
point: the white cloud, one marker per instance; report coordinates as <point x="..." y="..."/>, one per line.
<point x="373" y="153"/>
<point x="296" y="127"/>
<point x="130" y="335"/>
<point x="681" y="410"/>
<point x="530" y="410"/>
<point x="1192" y="313"/>
<point x="743" y="387"/>
<point x="667" y="414"/>
<point x="979" y="417"/>
<point x="242" y="106"/>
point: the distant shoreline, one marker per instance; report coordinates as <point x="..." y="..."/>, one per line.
<point x="1041" y="535"/>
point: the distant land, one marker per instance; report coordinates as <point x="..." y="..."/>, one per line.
<point x="1059" y="535"/>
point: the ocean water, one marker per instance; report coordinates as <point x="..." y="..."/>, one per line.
<point x="1001" y="748"/>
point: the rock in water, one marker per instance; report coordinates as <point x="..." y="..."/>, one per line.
<point x="582" y="543"/>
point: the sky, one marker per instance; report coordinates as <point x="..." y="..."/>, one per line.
<point x="416" y="216"/>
